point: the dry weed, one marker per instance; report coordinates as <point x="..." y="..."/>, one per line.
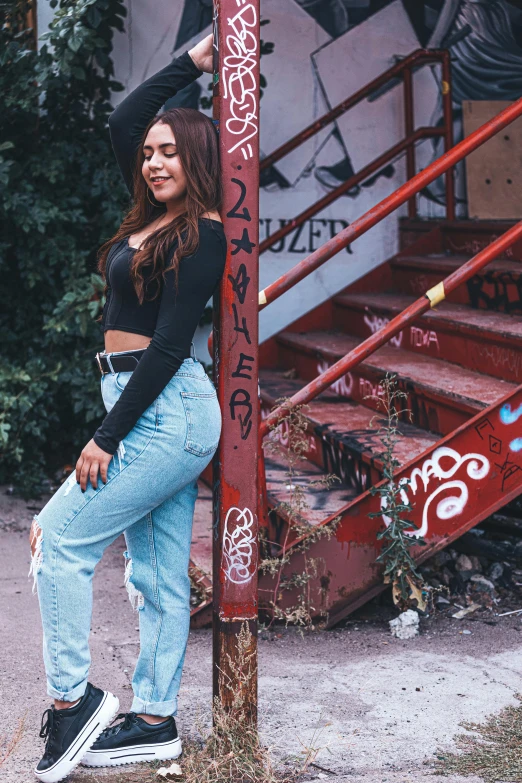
<point x="8" y="745"/>
<point x="493" y="751"/>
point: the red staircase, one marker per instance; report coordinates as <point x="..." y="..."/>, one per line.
<point x="458" y="364"/>
<point x="443" y="315"/>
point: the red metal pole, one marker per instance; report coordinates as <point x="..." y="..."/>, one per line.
<point x="390" y="203"/>
<point x="419" y="57"/>
<point x="430" y="299"/>
<point x="448" y="133"/>
<point x="408" y="128"/>
<point x="235" y="562"/>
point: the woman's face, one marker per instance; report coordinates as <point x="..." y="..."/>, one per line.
<point x="162" y="167"/>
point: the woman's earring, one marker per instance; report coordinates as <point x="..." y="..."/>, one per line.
<point x="159" y="204"/>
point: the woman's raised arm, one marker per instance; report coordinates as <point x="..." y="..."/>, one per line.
<point x="128" y="121"/>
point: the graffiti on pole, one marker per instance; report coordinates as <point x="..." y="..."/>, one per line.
<point x="239" y="78"/>
<point x="239" y="545"/>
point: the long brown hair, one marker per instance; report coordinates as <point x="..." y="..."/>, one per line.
<point x="197" y="147"/>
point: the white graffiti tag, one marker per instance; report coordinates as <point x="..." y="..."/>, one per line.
<point x="343" y="386"/>
<point x="477" y="468"/>
<point x="238" y="545"/>
<point x="376" y="322"/>
<point x="239" y="78"/>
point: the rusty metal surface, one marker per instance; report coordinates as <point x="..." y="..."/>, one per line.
<point x="236" y="107"/>
<point x="497" y="287"/>
<point x="392" y="202"/>
<point x="406" y="318"/>
<point x="468" y="475"/>
<point x="441" y="396"/>
<point x="488" y="342"/>
<point x="458" y="236"/>
<point x="342" y="436"/>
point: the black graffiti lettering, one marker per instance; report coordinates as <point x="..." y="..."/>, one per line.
<point x="240" y="283"/>
<point x="234" y="213"/>
<point x="495" y="445"/>
<point x="242" y="368"/>
<point x="499" y="291"/>
<point x="279" y="246"/>
<point x="312" y="233"/>
<point x="293" y="248"/>
<point x="243" y="329"/>
<point x="245" y="420"/>
<point x="507" y="469"/>
<point x="243" y="244"/>
<point x="482" y="425"/>
<point x="334" y="230"/>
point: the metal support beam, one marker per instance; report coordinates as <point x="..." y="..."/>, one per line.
<point x="235" y="341"/>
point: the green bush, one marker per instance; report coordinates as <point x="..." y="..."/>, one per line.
<point x="61" y="197"/>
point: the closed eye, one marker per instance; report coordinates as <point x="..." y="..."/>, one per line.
<point x="166" y="154"/>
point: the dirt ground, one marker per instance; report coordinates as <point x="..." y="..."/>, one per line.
<point x="378" y="707"/>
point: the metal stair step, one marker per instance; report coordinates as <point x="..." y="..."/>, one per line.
<point x="470" y="474"/>
<point x="488" y="342"/>
<point x="343" y="436"/>
<point x="441" y="395"/>
<point x="497" y="287"/>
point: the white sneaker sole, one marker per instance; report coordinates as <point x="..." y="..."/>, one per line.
<point x="104" y="715"/>
<point x="133" y="754"/>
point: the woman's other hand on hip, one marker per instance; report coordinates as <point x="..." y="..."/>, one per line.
<point x="91" y="461"/>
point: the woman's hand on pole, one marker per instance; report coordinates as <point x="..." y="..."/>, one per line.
<point x="202" y="54"/>
<point x="91" y="461"/>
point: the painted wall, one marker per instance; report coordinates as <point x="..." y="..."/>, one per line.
<point x="323" y="50"/>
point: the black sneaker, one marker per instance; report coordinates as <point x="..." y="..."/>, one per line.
<point x="72" y="731"/>
<point x="134" y="740"/>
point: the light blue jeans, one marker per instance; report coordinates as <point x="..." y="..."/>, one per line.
<point x="150" y="496"/>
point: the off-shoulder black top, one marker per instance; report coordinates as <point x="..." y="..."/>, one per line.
<point x="172" y="318"/>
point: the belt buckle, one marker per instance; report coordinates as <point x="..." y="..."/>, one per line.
<point x="100" y="364"/>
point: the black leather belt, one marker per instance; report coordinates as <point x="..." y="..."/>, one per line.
<point x="124" y="362"/>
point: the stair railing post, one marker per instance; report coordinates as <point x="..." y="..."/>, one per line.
<point x="409" y="128"/>
<point x="235" y="341"/>
<point x="448" y="133"/>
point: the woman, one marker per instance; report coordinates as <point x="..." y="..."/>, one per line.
<point x="139" y="473"/>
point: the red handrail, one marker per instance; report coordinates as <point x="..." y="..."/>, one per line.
<point x="390" y="203"/>
<point x="419" y="56"/>
<point x="404" y="68"/>
<point x="371" y="344"/>
<point x="406" y="144"/>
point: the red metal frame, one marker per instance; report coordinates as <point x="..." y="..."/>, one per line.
<point x="389" y="204"/>
<point x="404" y="68"/>
<point x="235" y="529"/>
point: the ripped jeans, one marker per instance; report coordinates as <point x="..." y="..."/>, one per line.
<point x="150" y="496"/>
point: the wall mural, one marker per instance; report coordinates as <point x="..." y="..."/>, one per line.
<point x="314" y="54"/>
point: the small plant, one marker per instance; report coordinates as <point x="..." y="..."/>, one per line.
<point x="400" y="571"/>
<point x="289" y="440"/>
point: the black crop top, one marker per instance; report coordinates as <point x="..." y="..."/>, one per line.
<point x="170" y="319"/>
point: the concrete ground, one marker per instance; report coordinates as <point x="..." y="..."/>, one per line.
<point x="379" y="707"/>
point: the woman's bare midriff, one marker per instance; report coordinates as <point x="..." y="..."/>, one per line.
<point x="116" y="340"/>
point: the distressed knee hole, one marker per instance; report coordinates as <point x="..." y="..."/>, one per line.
<point x="35" y="540"/>
<point x="135" y="597"/>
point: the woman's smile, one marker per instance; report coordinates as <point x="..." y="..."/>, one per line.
<point x="158" y="181"/>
